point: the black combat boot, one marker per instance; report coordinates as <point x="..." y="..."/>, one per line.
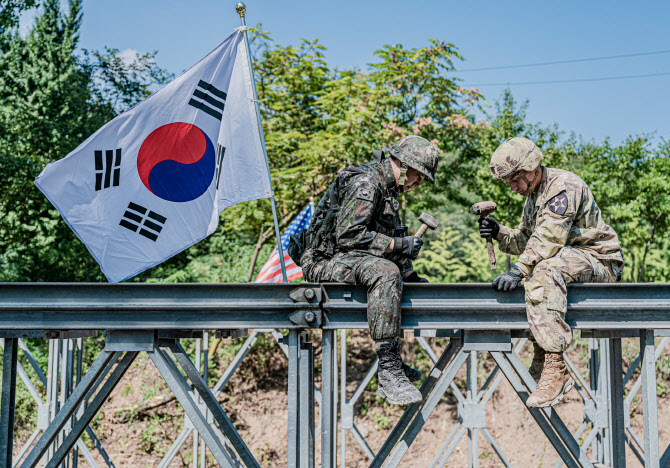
<point x="394" y="375"/>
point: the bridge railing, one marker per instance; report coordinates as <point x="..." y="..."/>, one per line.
<point x="152" y="318"/>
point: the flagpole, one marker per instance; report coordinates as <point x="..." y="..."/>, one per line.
<point x="241" y="10"/>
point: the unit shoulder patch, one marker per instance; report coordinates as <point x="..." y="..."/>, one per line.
<point x="559" y="204"/>
<point x="365" y="194"/>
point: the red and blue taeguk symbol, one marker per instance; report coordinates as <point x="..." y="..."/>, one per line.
<point x="176" y="162"/>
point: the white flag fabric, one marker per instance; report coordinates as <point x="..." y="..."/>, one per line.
<point x="153" y="181"/>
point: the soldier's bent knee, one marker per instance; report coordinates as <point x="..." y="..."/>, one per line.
<point x="389" y="271"/>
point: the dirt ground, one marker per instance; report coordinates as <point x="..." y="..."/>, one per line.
<point x="256" y="401"/>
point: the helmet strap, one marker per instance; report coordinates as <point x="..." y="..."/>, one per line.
<point x="530" y="185"/>
<point x="403" y="175"/>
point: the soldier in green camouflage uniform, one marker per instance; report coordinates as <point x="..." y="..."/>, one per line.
<point x="368" y="246"/>
<point x="562" y="239"/>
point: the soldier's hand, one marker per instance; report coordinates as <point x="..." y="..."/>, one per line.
<point x="414" y="278"/>
<point x="489" y="227"/>
<point x="508" y="281"/>
<point x="407" y="247"/>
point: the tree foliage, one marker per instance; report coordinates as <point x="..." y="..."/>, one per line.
<point x="632" y="181"/>
<point x="317" y="120"/>
<point x="50" y="101"/>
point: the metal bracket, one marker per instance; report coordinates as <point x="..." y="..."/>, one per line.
<point x="241" y="333"/>
<point x="307" y="318"/>
<point x="487" y="340"/>
<point x="69" y="334"/>
<point x="42" y="416"/>
<point x="303" y="335"/>
<point x="472" y="414"/>
<point x="180" y="334"/>
<point x="310" y="295"/>
<point x="130" y="340"/>
<point x="438" y="333"/>
<point x="21" y="333"/>
<point x="202" y="406"/>
<point x="610" y="333"/>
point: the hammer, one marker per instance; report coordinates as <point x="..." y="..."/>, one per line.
<point x="484" y="209"/>
<point x="428" y="222"/>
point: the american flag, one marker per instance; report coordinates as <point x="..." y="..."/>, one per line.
<point x="271" y="271"/>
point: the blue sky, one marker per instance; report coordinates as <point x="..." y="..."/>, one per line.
<point x="487" y="33"/>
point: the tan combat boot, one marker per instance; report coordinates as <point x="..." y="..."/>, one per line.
<point x="537" y="365"/>
<point x="554" y="383"/>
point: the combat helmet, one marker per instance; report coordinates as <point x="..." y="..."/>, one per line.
<point x="419" y="154"/>
<point x="514" y="155"/>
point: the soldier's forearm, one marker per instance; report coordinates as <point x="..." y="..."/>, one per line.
<point x="511" y="241"/>
<point x="374" y="243"/>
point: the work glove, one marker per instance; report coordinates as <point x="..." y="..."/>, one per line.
<point x="508" y="281"/>
<point x="414" y="278"/>
<point x="407" y="247"/>
<point x="489" y="227"/>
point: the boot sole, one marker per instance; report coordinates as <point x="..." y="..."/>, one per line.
<point x="382" y="394"/>
<point x="567" y="386"/>
<point x="401" y="402"/>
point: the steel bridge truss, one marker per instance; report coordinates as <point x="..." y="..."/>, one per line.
<point x="152" y="318"/>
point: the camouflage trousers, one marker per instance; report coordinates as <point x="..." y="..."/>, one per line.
<point x="546" y="293"/>
<point x="380" y="276"/>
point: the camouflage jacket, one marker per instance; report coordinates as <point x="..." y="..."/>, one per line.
<point x="368" y="217"/>
<point x="560" y="212"/>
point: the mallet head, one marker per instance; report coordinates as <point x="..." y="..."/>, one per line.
<point x="484" y="208"/>
<point x="429" y="221"/>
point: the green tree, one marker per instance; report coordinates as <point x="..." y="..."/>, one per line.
<point x="318" y="121"/>
<point x="454" y="257"/>
<point x="632" y="184"/>
<point x="51" y="101"/>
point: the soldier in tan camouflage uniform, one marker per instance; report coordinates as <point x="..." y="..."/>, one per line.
<point x="355" y="237"/>
<point x="562" y="239"/>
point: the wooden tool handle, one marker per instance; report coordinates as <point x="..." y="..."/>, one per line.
<point x="492" y="254"/>
<point x="421" y="230"/>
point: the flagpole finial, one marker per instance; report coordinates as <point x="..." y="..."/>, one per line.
<point x="241" y="9"/>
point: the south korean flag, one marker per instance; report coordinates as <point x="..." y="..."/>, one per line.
<point x="153" y="181"/>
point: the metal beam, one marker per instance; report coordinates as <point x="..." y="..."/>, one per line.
<point x="427" y="406"/>
<point x="649" y="404"/>
<point x="91" y="410"/>
<point x="306" y="390"/>
<point x="665" y="459"/>
<point x="475" y="306"/>
<point x="9" y="362"/>
<point x="433" y="378"/>
<point x="502" y="359"/>
<point x="70" y="407"/>
<point x="328" y="399"/>
<point x="160" y="306"/>
<point x="81" y="306"/>
<point x="601" y="310"/>
<point x="180" y="388"/>
<point x="617" y="421"/>
<point x="551" y="414"/>
<point x="212" y="404"/>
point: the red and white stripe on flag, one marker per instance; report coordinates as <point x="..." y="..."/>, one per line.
<point x="271" y="271"/>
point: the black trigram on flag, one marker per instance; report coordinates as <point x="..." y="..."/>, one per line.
<point x="208" y="99"/>
<point x="149" y="223"/>
<point x="107" y="169"/>
<point x="220" y="150"/>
